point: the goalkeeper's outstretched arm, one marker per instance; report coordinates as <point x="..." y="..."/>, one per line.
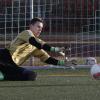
<point x="54" y="61"/>
<point x="33" y="41"/>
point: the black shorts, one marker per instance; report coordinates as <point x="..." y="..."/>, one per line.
<point x="11" y="71"/>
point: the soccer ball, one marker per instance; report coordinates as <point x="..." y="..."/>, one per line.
<point x="95" y="71"/>
<point x="90" y="61"/>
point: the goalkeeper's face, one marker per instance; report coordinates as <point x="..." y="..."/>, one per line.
<point x="36" y="28"/>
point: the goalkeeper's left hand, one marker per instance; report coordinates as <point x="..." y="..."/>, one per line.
<point x="60" y="50"/>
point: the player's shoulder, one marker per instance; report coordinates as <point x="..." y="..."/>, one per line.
<point x="27" y="32"/>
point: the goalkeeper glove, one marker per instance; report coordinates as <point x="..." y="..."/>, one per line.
<point x="70" y="62"/>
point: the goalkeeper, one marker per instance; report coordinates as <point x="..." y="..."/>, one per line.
<point x="26" y="44"/>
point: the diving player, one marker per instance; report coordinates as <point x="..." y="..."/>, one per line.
<point x="26" y="44"/>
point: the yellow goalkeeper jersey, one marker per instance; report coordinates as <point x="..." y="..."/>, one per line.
<point x="21" y="49"/>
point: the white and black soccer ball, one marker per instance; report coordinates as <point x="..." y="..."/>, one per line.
<point x="95" y="71"/>
<point x="90" y="61"/>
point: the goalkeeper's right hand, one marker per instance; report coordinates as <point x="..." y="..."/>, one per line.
<point x="70" y="62"/>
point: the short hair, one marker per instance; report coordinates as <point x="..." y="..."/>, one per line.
<point x="36" y="19"/>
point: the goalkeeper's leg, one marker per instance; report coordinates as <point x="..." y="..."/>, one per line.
<point x="15" y="73"/>
<point x="11" y="71"/>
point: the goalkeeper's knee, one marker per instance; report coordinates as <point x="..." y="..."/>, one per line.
<point x="29" y="75"/>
